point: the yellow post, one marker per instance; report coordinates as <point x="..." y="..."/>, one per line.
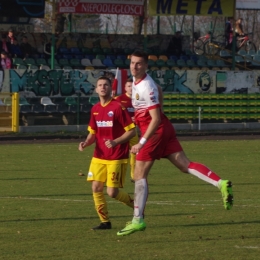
<point x="15" y="112"/>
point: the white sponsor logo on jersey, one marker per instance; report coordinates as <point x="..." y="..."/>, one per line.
<point x="105" y="123"/>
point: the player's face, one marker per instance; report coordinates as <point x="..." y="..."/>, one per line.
<point x="103" y="88"/>
<point x="138" y="67"/>
<point x="128" y="88"/>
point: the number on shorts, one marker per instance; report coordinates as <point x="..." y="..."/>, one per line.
<point x="115" y="176"/>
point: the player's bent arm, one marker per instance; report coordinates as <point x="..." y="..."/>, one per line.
<point x="154" y="123"/>
<point x="91" y="138"/>
<point x="160" y="94"/>
<point x="129" y="134"/>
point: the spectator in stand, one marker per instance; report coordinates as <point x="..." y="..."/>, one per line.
<point x="4" y="44"/>
<point x="15" y="49"/>
<point x="229" y="33"/>
<point x="47" y="49"/>
<point x="239" y="27"/>
<point x="26" y="48"/>
<point x="175" y="45"/>
<point x="5" y="61"/>
<point x="10" y="36"/>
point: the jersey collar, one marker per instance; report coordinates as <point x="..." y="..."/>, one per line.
<point x="137" y="82"/>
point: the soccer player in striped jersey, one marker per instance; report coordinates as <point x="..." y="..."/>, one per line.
<point x="158" y="140"/>
<point x="110" y="128"/>
<point x="126" y="100"/>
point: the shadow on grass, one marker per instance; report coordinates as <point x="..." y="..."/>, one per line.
<point x="64" y="219"/>
<point x="179" y="192"/>
<point x="40" y="178"/>
<point x="177" y="184"/>
<point x="46" y="196"/>
<point x="221" y="224"/>
<point x="46" y="219"/>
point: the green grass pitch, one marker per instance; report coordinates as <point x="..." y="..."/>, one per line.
<point x="47" y="208"/>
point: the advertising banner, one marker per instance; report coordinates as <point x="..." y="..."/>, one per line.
<point x="248" y="4"/>
<point x="22" y="8"/>
<point x="190" y="7"/>
<point x="125" y="7"/>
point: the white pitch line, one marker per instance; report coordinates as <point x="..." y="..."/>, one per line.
<point x="248" y="247"/>
<point x="185" y="203"/>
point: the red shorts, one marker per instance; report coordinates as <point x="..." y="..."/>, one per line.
<point x="160" y="145"/>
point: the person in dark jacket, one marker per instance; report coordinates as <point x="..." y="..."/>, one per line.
<point x="26" y="48"/>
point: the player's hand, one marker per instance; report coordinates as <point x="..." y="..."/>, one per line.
<point x="82" y="146"/>
<point x="110" y="143"/>
<point x="136" y="148"/>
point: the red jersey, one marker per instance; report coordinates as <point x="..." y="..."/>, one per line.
<point x="145" y="96"/>
<point x="108" y="123"/>
<point x="127" y="103"/>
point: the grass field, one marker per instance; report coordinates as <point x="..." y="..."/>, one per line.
<point x="47" y="209"/>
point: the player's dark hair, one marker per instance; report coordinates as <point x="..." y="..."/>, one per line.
<point x="141" y="54"/>
<point x="129" y="80"/>
<point x="105" y="78"/>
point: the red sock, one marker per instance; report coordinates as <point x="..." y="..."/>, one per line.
<point x="204" y="173"/>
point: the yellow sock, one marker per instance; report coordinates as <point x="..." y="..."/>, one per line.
<point x="125" y="198"/>
<point x="132" y="165"/>
<point x="101" y="206"/>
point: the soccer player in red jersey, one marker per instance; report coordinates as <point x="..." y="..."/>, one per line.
<point x="158" y="140"/>
<point x="110" y="128"/>
<point x="126" y="100"/>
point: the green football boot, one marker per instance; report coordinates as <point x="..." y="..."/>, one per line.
<point x="227" y="194"/>
<point x="132" y="227"/>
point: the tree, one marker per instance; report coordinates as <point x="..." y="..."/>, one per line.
<point x="138" y="24"/>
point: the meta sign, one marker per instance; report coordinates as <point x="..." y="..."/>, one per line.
<point x="191" y="7"/>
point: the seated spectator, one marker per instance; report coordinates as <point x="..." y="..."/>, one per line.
<point x="4" y="44"/>
<point x="47" y="49"/>
<point x="5" y="61"/>
<point x="10" y="36"/>
<point x="26" y="48"/>
<point x="15" y="49"/>
<point x="175" y="45"/>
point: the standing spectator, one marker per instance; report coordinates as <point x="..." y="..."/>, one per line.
<point x="4" y="44"/>
<point x="10" y="36"/>
<point x="239" y="27"/>
<point x="110" y="129"/>
<point x="26" y="48"/>
<point x="5" y="61"/>
<point x="159" y="141"/>
<point x="47" y="48"/>
<point x="229" y="33"/>
<point x="15" y="49"/>
<point x="175" y="45"/>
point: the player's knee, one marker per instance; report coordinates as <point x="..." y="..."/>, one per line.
<point x="112" y="193"/>
<point x="183" y="169"/>
<point x="97" y="187"/>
